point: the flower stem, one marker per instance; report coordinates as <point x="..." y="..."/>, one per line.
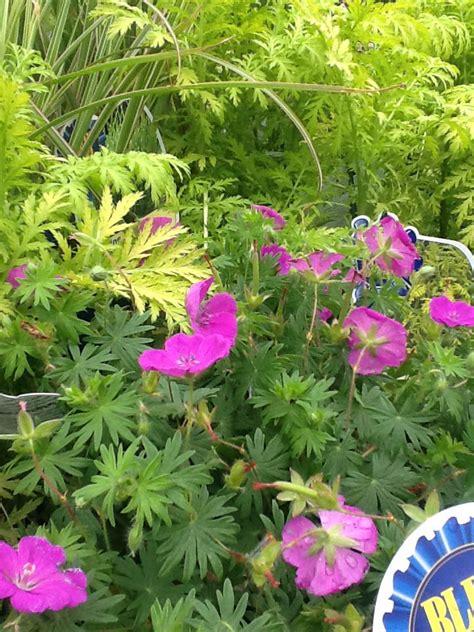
<point x="351" y="399"/>
<point x="215" y="273"/>
<point x="309" y="334"/>
<point x="347" y="302"/>
<point x="355" y="368"/>
<point x="255" y="270"/>
<point x="49" y="483"/>
<point x="190" y="409"/>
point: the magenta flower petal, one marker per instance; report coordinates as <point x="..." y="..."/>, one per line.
<point x="451" y="313"/>
<point x="353" y="276"/>
<point x="318" y="263"/>
<point x="376" y="342"/>
<point x="15" y="275"/>
<point x="297" y="540"/>
<point x="216" y="316"/>
<point x="281" y="255"/>
<point x="185" y="355"/>
<point x="399" y="254"/>
<point x="32" y="549"/>
<point x="324" y="314"/>
<point x="157" y="222"/>
<point x="77" y="582"/>
<point x="196" y="295"/>
<point x="222" y="302"/>
<point x="359" y="528"/>
<point x="279" y="221"/>
<point x="349" y="568"/>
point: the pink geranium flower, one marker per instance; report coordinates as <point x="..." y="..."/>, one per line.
<point x="397" y="253"/>
<point x="184" y="355"/>
<point x="279" y="221"/>
<point x="319" y="264"/>
<point x="217" y="315"/>
<point x="329" y="558"/>
<point x="15" y="275"/>
<point x="376" y="341"/>
<point x="451" y="313"/>
<point x="31" y="578"/>
<point x="281" y="255"/>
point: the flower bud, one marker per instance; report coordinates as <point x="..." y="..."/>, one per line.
<point x="150" y="381"/>
<point x="425" y="273"/>
<point x="98" y="273"/>
<point x="337" y="333"/>
<point x="135" y="538"/>
<point x="470" y="361"/>
<point x="25" y="423"/>
<point x="263" y="561"/>
<point x="237" y="475"/>
<point x="144" y="425"/>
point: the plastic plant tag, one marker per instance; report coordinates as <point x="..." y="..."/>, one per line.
<point x="41" y="406"/>
<point x="429" y="585"/>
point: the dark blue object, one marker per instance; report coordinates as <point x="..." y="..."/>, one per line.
<point x="431" y="585"/>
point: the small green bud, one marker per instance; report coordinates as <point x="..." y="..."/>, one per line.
<point x="237" y="475"/>
<point x="263" y="561"/>
<point x="80" y="502"/>
<point x="135" y="538"/>
<point x="431" y="329"/>
<point x="150" y="381"/>
<point x="144" y="426"/>
<point x="254" y="301"/>
<point x="441" y="385"/>
<point x="98" y="273"/>
<point x="425" y="273"/>
<point x="25" y="424"/>
<point x="470" y="361"/>
<point x="337" y="333"/>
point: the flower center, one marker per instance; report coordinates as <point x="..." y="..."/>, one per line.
<point x="23" y="580"/>
<point x="187" y="362"/>
<point x="203" y="317"/>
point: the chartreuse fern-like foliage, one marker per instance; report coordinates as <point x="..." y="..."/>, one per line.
<point x="73" y="224"/>
<point x="148" y="482"/>
<point x="19" y="155"/>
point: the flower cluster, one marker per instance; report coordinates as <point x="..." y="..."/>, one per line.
<point x="329" y="557"/>
<point x="31" y="578"/>
<point x="214" y="322"/>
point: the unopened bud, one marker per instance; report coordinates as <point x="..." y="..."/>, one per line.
<point x="135" y="538"/>
<point x="425" y="273"/>
<point x="336" y="332"/>
<point x="470" y="361"/>
<point x="150" y="381"/>
<point x="237" y="475"/>
<point x="98" y="273"/>
<point x="25" y="424"/>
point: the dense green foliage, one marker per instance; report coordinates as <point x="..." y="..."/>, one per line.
<point x="160" y="514"/>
